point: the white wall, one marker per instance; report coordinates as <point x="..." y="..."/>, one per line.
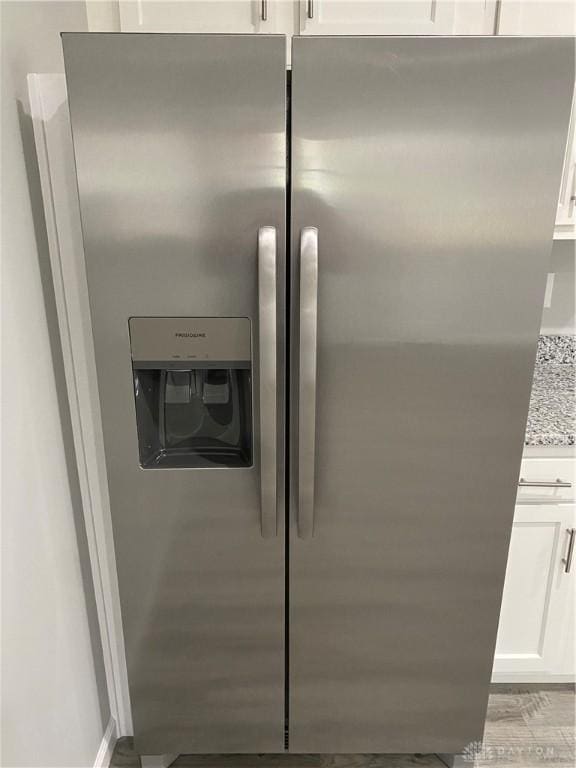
<point x="560" y="317"/>
<point x="54" y="701"/>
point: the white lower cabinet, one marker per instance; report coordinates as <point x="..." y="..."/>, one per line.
<point x="536" y="632"/>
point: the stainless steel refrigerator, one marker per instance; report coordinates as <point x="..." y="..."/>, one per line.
<point x="315" y="305"/>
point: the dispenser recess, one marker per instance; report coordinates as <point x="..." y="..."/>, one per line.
<point x="193" y="391"/>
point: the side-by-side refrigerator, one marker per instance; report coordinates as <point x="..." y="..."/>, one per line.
<point x="315" y="298"/>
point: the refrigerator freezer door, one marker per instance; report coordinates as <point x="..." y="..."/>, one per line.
<point x="430" y="168"/>
<point x="180" y="148"/>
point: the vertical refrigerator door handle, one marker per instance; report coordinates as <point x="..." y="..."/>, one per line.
<point x="307" y="380"/>
<point x="267" y="377"/>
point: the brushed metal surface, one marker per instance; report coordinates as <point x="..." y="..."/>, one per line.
<point x="431" y="168"/>
<point x="180" y="150"/>
<point x="521" y="719"/>
<point x="308" y="320"/>
<point x="267" y="315"/>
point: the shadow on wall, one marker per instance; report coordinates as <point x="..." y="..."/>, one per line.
<point x="41" y="237"/>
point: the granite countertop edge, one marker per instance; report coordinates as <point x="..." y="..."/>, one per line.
<point x="551" y="417"/>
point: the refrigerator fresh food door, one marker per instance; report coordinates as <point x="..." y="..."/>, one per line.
<point x="180" y="146"/>
<point x="425" y="176"/>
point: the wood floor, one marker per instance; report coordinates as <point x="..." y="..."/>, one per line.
<point x="526" y="727"/>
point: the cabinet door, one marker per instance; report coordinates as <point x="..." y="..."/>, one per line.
<point x="235" y="16"/>
<point x="537" y="17"/>
<point x="377" y="17"/>
<point x="537" y="604"/>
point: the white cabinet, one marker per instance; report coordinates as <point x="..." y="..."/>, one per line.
<point x="377" y="17"/>
<point x="351" y="17"/>
<point x="224" y="16"/>
<point x="310" y="17"/>
<point x="536" y="632"/>
<point x="566" y="216"/>
<point x="537" y="17"/>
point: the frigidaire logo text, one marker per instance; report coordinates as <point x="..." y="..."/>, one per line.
<point x="190" y="335"/>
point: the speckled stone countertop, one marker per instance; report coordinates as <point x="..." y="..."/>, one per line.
<point x="552" y="415"/>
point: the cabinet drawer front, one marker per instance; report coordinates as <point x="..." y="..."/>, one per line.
<point x="546" y="480"/>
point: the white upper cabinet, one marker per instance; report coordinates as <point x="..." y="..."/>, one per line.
<point x="566" y="216"/>
<point x="351" y="17"/>
<point x="377" y="17"/>
<point x="311" y="17"/>
<point x="225" y="16"/>
<point x="537" y="17"/>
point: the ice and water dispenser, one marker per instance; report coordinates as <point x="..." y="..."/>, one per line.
<point x="193" y="391"/>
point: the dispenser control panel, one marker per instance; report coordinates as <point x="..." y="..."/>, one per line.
<point x="189" y="340"/>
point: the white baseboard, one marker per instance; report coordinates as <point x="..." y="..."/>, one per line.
<point x="104" y="755"/>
